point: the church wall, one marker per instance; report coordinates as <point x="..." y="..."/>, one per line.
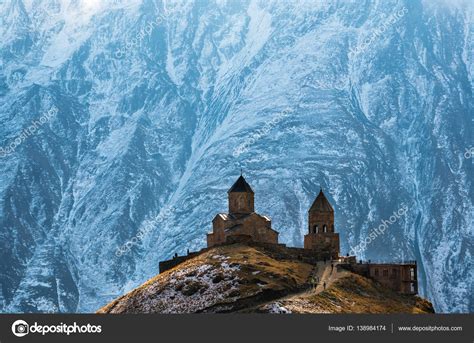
<point x="241" y="202"/>
<point x="254" y="226"/>
<point x="265" y="235"/>
<point x="323" y="242"/>
<point x="397" y="277"/>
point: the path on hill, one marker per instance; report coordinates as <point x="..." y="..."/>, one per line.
<point x="325" y="274"/>
<point x="322" y="272"/>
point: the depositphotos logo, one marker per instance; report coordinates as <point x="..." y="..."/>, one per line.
<point x="21" y="328"/>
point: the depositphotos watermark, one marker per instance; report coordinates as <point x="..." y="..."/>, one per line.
<point x="469" y="153"/>
<point x="260" y="133"/>
<point x="380" y="230"/>
<point x="126" y="247"/>
<point x="28" y="132"/>
<point x="137" y="39"/>
<point x="379" y="31"/>
<point x="20" y="328"/>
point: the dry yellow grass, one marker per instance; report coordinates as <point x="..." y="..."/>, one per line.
<point x="220" y="280"/>
<point x="354" y="294"/>
<point x="240" y="278"/>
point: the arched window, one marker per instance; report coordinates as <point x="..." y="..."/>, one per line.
<point x="325" y="228"/>
<point x="316" y="229"/>
<point x="332" y="228"/>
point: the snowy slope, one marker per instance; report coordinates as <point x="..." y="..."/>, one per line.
<point x="160" y="104"/>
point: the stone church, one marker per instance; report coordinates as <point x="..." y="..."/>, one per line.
<point x="242" y="223"/>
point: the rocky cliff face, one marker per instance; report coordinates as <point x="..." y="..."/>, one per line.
<point x="150" y="109"/>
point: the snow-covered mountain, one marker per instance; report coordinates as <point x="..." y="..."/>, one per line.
<point x="124" y="123"/>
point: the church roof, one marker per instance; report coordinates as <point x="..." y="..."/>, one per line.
<point x="240" y="185"/>
<point x="234" y="227"/>
<point x="321" y="204"/>
<point x="225" y="216"/>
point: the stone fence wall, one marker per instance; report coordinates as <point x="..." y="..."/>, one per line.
<point x="277" y="251"/>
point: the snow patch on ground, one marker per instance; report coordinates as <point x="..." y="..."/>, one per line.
<point x="277" y="308"/>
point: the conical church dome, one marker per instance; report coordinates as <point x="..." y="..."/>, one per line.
<point x="321" y="204"/>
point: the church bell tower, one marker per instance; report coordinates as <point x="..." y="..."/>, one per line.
<point x="241" y="198"/>
<point x="321" y="235"/>
<point x="321" y="215"/>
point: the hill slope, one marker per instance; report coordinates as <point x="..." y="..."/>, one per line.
<point x="240" y="278"/>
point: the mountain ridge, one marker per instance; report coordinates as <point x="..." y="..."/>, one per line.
<point x="150" y="130"/>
